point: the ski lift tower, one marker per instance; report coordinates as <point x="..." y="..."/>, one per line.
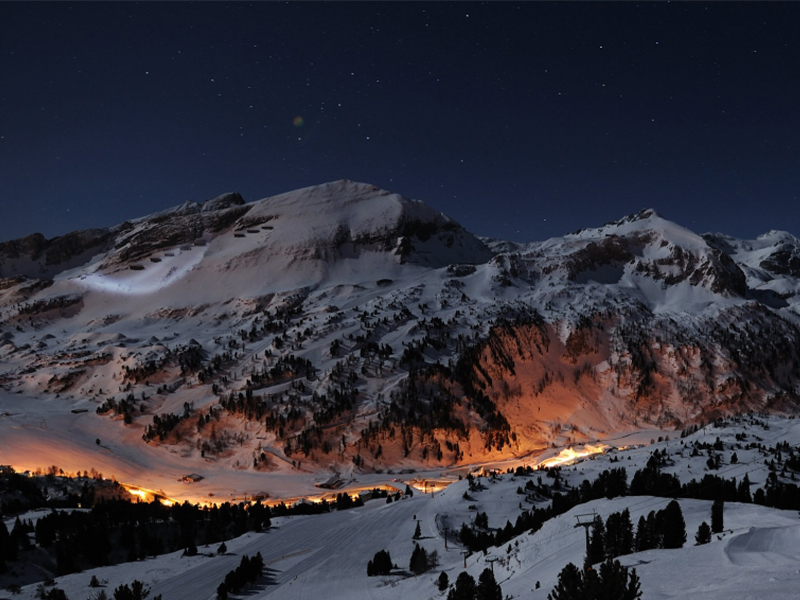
<point x="586" y="521"/>
<point x="491" y="560"/>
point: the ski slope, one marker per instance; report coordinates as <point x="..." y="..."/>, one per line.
<point x="308" y="557"/>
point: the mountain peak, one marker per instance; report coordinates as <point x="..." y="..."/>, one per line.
<point x="646" y="214"/>
<point x="341" y="217"/>
<point x="222" y="201"/>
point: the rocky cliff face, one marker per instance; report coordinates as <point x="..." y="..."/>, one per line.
<point x="36" y="257"/>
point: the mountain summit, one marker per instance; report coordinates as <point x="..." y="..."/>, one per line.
<point x="329" y="222"/>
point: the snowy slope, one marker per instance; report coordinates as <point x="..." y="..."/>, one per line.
<point x="325" y="556"/>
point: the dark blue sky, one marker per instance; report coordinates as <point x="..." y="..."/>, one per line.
<point x="521" y="121"/>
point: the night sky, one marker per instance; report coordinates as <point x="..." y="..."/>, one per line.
<point x="521" y="121"/>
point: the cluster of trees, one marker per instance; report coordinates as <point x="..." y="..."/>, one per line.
<point x="661" y="529"/>
<point x="190" y="358"/>
<point x="141" y="372"/>
<point x="383" y="351"/>
<point x="162" y="425"/>
<point x="776" y="493"/>
<point x="54" y="593"/>
<point x="611" y="582"/>
<point x="469" y="373"/>
<point x="125" y="407"/>
<point x="422" y="560"/>
<point x="465" y="587"/>
<point x="610" y="539"/>
<point x="37" y="306"/>
<point x="135" y="591"/>
<point x="19" y="493"/>
<point x="118" y="531"/>
<point x="703" y="535"/>
<point x="338" y="402"/>
<point x="214" y="365"/>
<point x="285" y="368"/>
<point x="613" y="483"/>
<point x="247" y="573"/>
<point x="419" y="401"/>
<point x="288" y="419"/>
<point x="381" y="564"/>
<point x="22" y="493"/>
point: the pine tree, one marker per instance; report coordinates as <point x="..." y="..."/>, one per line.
<point x="643" y="540"/>
<point x="655" y="526"/>
<point x="634" y="590"/>
<point x="417" y="532"/>
<point x="614" y="581"/>
<point x="7" y="549"/>
<point x="703" y="535"/>
<point x="190" y="550"/>
<point x="19" y="535"/>
<point x="618" y="534"/>
<point x="569" y="586"/>
<point x="717" y="519"/>
<point x="464" y="588"/>
<point x="419" y="560"/>
<point x="222" y="592"/>
<point x="626" y="537"/>
<point x="488" y="588"/>
<point x="596" y="551"/>
<point x="443" y="582"/>
<point x="743" y="491"/>
<point x="674" y="527"/>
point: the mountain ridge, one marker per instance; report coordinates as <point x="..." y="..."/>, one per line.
<point x="351" y="329"/>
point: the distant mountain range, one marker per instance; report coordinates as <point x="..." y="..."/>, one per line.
<point x="345" y="327"/>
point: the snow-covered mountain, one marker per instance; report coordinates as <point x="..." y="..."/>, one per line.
<point x="345" y="328"/>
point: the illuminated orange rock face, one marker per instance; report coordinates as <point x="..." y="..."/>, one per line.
<point x="559" y="383"/>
